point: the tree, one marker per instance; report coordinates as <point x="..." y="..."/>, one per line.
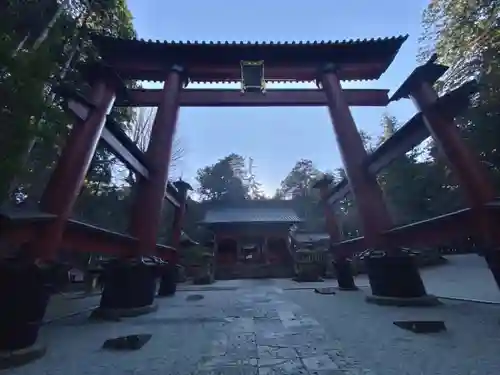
<point x="224" y="180"/>
<point x="466" y="36"/>
<point x="297" y="186"/>
<point x="254" y="187"/>
<point x="299" y="180"/>
<point x="401" y="181"/>
<point x="34" y="56"/>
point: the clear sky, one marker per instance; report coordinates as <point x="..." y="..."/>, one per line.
<point x="277" y="137"/>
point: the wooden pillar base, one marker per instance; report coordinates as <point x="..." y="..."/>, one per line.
<point x="345" y="278"/>
<point x="394" y="277"/>
<point x="129" y="284"/>
<point x="493" y="259"/>
<point x="168" y="280"/>
<point x="25" y="290"/>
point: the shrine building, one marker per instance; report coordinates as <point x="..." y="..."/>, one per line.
<point x="252" y="241"/>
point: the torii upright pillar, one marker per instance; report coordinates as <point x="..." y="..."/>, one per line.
<point x="394" y="278"/>
<point x="466" y="166"/>
<point x="132" y="286"/>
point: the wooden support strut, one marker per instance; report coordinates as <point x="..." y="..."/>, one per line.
<point x="467" y="167"/>
<point x="368" y="195"/>
<point x="471" y="174"/>
<point x="119" y="143"/>
<point x="411" y="134"/>
<point x="66" y="180"/>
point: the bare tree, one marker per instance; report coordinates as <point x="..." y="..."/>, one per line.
<point x="140" y="133"/>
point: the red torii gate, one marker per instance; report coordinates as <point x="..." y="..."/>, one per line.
<point x="129" y="287"/>
<point x="479" y="220"/>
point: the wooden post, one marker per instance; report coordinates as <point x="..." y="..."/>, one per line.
<point x="183" y="188"/>
<point x="65" y="183"/>
<point x="146" y="212"/>
<point x="463" y="162"/>
<point x="331" y="223"/>
<point x="265" y="250"/>
<point x="375" y="218"/>
<point x="471" y="174"/>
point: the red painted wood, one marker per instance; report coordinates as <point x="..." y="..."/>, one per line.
<point x="66" y="180"/>
<point x="81" y="237"/>
<point x="155" y="70"/>
<point x="146" y="212"/>
<point x="374" y="216"/>
<point x="464" y="163"/>
<point x="466" y="166"/>
<point x="235" y="98"/>
<point x="440" y="230"/>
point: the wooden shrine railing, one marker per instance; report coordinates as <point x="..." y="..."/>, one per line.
<point x="19" y="227"/>
<point x="432" y="232"/>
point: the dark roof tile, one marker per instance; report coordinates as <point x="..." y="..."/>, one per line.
<point x="126" y="55"/>
<point x="250" y="215"/>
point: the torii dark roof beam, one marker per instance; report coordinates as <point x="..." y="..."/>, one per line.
<point x="220" y="61"/>
<point x="272" y="98"/>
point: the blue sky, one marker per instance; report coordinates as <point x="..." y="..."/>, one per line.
<point x="277" y="137"/>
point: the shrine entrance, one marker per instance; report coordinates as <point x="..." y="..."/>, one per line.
<point x="130" y="278"/>
<point x="227" y="251"/>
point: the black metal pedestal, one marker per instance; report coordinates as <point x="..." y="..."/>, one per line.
<point x="395" y="280"/>
<point x="129" y="286"/>
<point x="345" y="278"/>
<point x="168" y="280"/>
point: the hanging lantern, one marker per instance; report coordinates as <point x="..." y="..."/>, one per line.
<point x="252" y="76"/>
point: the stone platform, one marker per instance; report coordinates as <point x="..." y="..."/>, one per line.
<point x="270" y="327"/>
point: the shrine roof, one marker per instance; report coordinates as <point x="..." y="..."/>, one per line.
<point x="141" y="59"/>
<point x="311" y="237"/>
<point x="251" y="215"/>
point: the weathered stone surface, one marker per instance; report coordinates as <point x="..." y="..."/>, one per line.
<point x="259" y="328"/>
<point x="21" y="357"/>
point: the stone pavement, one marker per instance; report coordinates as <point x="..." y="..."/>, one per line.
<point x="259" y="327"/>
<point x="463" y="277"/>
<point x="64" y="305"/>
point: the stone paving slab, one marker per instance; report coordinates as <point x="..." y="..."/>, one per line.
<point x="259" y="328"/>
<point x="465" y="276"/>
<point x="62" y="306"/>
<point x="368" y="339"/>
